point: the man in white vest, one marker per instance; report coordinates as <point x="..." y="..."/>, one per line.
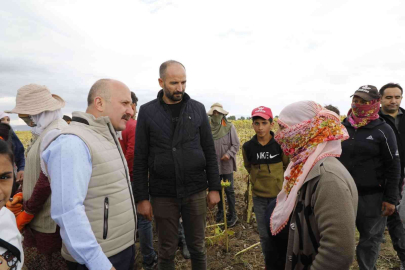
<point x="92" y="198"/>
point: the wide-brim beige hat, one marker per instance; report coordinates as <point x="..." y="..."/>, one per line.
<point x="217" y="107"/>
<point x="33" y="99"/>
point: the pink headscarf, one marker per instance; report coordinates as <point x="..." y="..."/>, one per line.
<point x="310" y="134"/>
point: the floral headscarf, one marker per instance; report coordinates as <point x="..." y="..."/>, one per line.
<point x="305" y="143"/>
<point x="362" y="114"/>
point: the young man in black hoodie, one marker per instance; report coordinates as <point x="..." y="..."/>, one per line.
<point x="372" y="158"/>
<point x="392" y="113"/>
<point x="266" y="163"/>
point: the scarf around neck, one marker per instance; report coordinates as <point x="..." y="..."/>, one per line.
<point x="362" y="114"/>
<point x="305" y="144"/>
<point x="219" y="126"/>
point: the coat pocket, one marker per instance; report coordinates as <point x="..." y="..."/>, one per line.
<point x="105" y="225"/>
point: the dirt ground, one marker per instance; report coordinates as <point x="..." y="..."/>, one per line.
<point x="246" y="235"/>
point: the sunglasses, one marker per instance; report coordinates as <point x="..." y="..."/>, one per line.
<point x="27" y="119"/>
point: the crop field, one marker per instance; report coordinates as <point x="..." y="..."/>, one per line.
<point x="244" y="234"/>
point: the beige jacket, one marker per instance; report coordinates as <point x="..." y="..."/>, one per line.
<point x="109" y="201"/>
<point x="324" y="219"/>
<point x="42" y="221"/>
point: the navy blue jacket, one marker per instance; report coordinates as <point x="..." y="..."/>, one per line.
<point x="173" y="161"/>
<point x="18" y="149"/>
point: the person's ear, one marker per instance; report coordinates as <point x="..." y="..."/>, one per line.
<point x="99" y="104"/>
<point x="161" y="83"/>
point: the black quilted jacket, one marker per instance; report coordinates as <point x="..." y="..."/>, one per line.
<point x="173" y="161"/>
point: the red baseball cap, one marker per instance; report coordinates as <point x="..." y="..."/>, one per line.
<point x="262" y="112"/>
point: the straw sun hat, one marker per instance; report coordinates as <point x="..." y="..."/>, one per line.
<point x="217" y="107"/>
<point x="33" y="99"/>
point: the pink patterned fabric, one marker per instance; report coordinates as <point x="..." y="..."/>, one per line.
<point x="362" y="114"/>
<point x="310" y="134"/>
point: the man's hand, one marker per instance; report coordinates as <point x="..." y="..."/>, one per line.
<point x="20" y="177"/>
<point x="387" y="209"/>
<point x="225" y="157"/>
<point x="145" y="209"/>
<point x="113" y="268"/>
<point x="212" y="198"/>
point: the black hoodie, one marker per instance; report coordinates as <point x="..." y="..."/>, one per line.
<point x="371" y="156"/>
<point x="266" y="165"/>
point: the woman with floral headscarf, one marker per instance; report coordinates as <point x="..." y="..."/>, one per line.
<point x="318" y="201"/>
<point x="372" y="158"/>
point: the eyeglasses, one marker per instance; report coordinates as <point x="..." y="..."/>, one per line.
<point x="27" y="119"/>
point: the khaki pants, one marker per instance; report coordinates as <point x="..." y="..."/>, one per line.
<point x="193" y="210"/>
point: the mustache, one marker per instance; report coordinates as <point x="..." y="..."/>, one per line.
<point x="126" y="117"/>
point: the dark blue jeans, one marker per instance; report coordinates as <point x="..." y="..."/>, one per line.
<point x="260" y="205"/>
<point x="230" y="195"/>
<point x="122" y="261"/>
<point x="145" y="232"/>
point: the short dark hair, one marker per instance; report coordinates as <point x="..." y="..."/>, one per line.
<point x="5" y="149"/>
<point x="390" y="85"/>
<point x="67" y="118"/>
<point x="254" y="118"/>
<point x="164" y="65"/>
<point x="134" y="98"/>
<point x="332" y="108"/>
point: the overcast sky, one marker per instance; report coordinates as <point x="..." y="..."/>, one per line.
<point x="242" y="54"/>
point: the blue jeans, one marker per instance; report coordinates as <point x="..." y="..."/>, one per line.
<point x="146" y="239"/>
<point x="260" y="205"/>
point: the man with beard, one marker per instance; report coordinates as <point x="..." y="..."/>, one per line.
<point x="91" y="189"/>
<point x="392" y="113"/>
<point x="175" y="163"/>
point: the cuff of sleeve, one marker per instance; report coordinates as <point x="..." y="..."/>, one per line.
<point x="390" y="200"/>
<point x="230" y="154"/>
<point x="214" y="188"/>
<point x="141" y="198"/>
<point x="99" y="262"/>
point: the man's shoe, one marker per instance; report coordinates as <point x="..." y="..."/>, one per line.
<point x="152" y="265"/>
<point x="232" y="221"/>
<point x="220" y="217"/>
<point x="185" y="252"/>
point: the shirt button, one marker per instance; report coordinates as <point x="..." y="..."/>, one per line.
<point x="292" y="225"/>
<point x="290" y="258"/>
<point x="174" y="149"/>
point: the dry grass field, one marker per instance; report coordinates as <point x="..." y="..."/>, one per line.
<point x="244" y="234"/>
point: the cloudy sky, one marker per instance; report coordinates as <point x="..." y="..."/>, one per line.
<point x="242" y="54"/>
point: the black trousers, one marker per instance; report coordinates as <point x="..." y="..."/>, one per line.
<point x="124" y="260"/>
<point x="397" y="233"/>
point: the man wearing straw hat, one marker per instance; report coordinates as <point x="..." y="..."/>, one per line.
<point x="40" y="110"/>
<point x="226" y="146"/>
<point x="92" y="198"/>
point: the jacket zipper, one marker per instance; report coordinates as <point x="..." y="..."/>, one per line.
<point x="105" y="228"/>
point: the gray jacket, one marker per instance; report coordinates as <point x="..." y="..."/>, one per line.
<point x="229" y="145"/>
<point x="322" y="227"/>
